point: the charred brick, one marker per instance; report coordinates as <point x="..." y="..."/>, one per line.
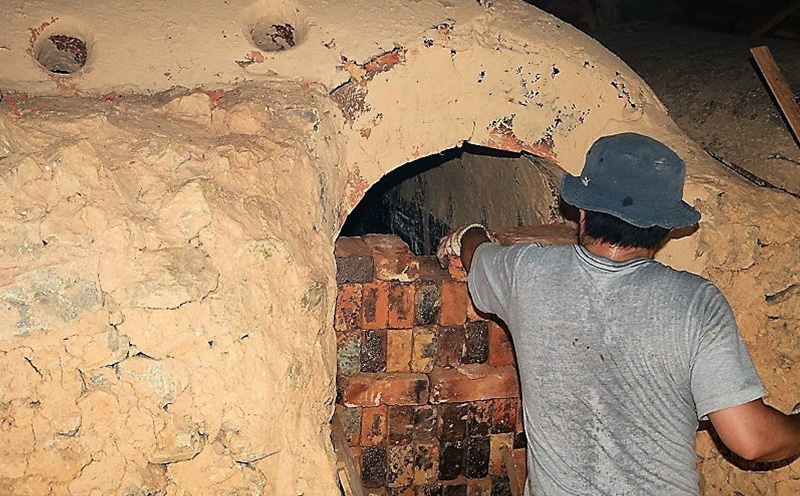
<point x="476" y="457"/>
<point x="476" y="342"/>
<point x="373" y="351"/>
<point x="451" y="459"/>
<point x="373" y="466"/>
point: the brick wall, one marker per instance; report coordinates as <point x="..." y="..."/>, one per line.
<point x="428" y="390"/>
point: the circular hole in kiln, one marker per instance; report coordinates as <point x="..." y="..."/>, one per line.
<point x="61" y="53"/>
<point x="276" y="34"/>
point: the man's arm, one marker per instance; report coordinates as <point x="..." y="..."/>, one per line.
<point x="758" y="432"/>
<point x="470" y="242"/>
<point x="463" y="242"/>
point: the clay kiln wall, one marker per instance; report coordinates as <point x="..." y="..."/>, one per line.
<point x="167" y="219"/>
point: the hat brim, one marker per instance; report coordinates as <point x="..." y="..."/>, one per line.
<point x="675" y="216"/>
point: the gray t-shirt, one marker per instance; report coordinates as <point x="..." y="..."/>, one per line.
<point x="617" y="362"/>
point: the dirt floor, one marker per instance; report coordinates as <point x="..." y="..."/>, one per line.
<point x="712" y="88"/>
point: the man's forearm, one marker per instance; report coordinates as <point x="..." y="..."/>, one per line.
<point x="756" y="431"/>
<point x="470" y="242"/>
<point x="781" y="437"/>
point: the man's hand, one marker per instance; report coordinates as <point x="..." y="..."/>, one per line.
<point x="453" y="243"/>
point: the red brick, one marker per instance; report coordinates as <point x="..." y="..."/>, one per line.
<point x="393" y="259"/>
<point x="476" y="457"/>
<point x="424" y="349"/>
<point x="501" y="352"/>
<point x="354" y="261"/>
<point x="476" y="343"/>
<point x="473" y="383"/>
<point x="351" y="423"/>
<point x="373" y="351"/>
<point x="386" y="243"/>
<point x="400" y="470"/>
<point x="375" y="306"/>
<point x="425" y="420"/>
<point x="450" y="347"/>
<point x="428" y="304"/>
<point x="453" y="421"/>
<point x="479" y="418"/>
<point x="456" y="487"/>
<point x="348" y="352"/>
<point x="384" y="389"/>
<point x="403" y="267"/>
<point x="479" y="487"/>
<point x="456" y="269"/>
<point x="426" y="463"/>
<point x="348" y="307"/>
<point x="498" y="442"/>
<point x="475" y="315"/>
<point x="402" y="491"/>
<point x="451" y="460"/>
<point x="398" y="350"/>
<point x="520" y="457"/>
<point x="428" y="490"/>
<point x="454" y="304"/>
<point x="504" y="415"/>
<point x="401" y="424"/>
<point x="374" y="425"/>
<point x="373" y="466"/>
<point x="430" y="270"/>
<point x="354" y="246"/>
<point x="401" y="306"/>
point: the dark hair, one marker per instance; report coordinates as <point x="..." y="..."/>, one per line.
<point x="613" y="230"/>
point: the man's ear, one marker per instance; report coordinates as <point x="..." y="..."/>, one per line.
<point x="581" y="223"/>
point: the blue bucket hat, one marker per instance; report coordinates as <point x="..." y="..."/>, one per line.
<point x="635" y="178"/>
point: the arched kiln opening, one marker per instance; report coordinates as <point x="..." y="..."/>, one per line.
<point x="422" y="200"/>
<point x="427" y="387"/>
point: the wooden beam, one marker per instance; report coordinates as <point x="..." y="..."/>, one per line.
<point x="771" y="19"/>
<point x="345" y="465"/>
<point x="514" y="479"/>
<point x="779" y="87"/>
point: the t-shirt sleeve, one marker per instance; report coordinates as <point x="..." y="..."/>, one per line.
<point x="722" y="373"/>
<point x="491" y="276"/>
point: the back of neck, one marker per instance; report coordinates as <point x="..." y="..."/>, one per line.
<point x="614" y="252"/>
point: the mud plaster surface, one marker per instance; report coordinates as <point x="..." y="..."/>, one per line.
<point x="712" y="88"/>
<point x="166" y="269"/>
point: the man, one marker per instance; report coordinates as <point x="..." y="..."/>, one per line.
<point x="619" y="356"/>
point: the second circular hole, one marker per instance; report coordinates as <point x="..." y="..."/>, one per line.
<point x="61" y="53"/>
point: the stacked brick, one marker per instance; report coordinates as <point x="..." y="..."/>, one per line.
<point x="427" y="387"/>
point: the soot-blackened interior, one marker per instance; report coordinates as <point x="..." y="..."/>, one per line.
<point x="422" y="200"/>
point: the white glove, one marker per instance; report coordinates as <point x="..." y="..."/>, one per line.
<point x="796" y="409"/>
<point x="450" y="245"/>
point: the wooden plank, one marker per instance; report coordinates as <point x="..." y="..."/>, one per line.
<point x="348" y="475"/>
<point x="772" y="19"/>
<point x="513" y="474"/>
<point x="779" y="87"/>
